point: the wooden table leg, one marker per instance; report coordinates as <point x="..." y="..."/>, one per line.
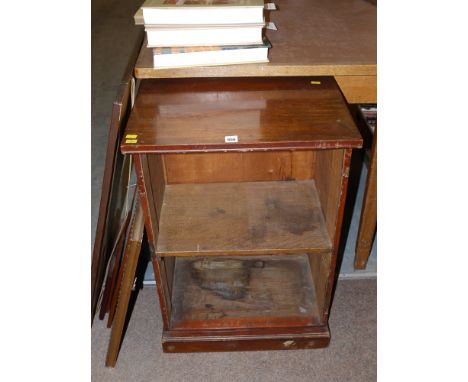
<point x="368" y="222"/>
<point x="132" y="255"/>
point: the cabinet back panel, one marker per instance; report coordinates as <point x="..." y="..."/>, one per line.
<point x="239" y="167"/>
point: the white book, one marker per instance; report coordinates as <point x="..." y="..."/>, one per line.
<point x="202" y="12"/>
<point x="214" y="55"/>
<point x="206" y="35"/>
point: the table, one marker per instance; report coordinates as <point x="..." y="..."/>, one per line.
<point x="368" y="222"/>
<point x="314" y="38"/>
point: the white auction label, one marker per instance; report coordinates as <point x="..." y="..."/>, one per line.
<point x="231" y="139"/>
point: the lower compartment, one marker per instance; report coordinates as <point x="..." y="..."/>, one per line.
<point x="243" y="292"/>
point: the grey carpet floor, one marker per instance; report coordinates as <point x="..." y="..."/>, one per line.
<point x="350" y="357"/>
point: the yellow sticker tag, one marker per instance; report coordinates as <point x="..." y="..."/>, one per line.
<point x="131" y="136"/>
<point x="131" y="141"/>
<point x="315" y="82"/>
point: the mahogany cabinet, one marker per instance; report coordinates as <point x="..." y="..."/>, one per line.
<point x="242" y="183"/>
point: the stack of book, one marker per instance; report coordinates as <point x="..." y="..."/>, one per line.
<point x="204" y="32"/>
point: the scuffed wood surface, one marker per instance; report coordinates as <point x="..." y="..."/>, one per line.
<point x="241" y="292"/>
<point x="241" y="219"/>
<point x="267" y="338"/>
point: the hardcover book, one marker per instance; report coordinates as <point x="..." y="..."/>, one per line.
<point x="203" y="35"/>
<point x="173" y="57"/>
<point x="189" y="12"/>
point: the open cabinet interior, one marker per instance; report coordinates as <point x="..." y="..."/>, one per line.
<point x="245" y="240"/>
<point x="243" y="292"/>
<point x="242" y="182"/>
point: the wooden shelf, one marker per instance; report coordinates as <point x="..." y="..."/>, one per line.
<point x="247" y="218"/>
<point x="243" y="292"/>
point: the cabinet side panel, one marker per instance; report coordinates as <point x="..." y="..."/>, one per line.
<point x="157" y="172"/>
<point x="332" y="173"/>
<point x="158" y="181"/>
<point x="328" y="170"/>
<point x="239" y="167"/>
<point x="320" y="269"/>
<point x="151" y="223"/>
<point x="169" y="265"/>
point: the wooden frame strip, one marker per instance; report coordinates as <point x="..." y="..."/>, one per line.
<point x="132" y="254"/>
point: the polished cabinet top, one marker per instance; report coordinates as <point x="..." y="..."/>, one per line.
<point x="239" y="114"/>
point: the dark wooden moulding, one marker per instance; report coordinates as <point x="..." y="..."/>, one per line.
<point x="243" y="235"/>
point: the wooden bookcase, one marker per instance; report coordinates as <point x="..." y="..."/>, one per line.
<point x="287" y="144"/>
<point x="243" y="234"/>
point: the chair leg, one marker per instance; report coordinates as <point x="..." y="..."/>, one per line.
<point x="368" y="222"/>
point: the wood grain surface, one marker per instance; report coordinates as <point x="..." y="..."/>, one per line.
<point x="368" y="221"/>
<point x="148" y="204"/>
<point x="243" y="292"/>
<point x="241" y="219"/>
<point x="314" y="38"/>
<point x="239" y="167"/>
<point x="120" y="269"/>
<point x="358" y="89"/>
<point x="182" y="115"/>
<point x="320" y="269"/>
<point x="328" y="176"/>
<point x="129" y="265"/>
<point x="343" y="173"/>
